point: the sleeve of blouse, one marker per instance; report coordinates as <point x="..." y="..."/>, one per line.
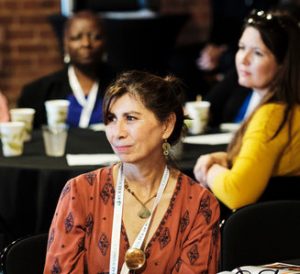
<point x="253" y="167"/>
<point x="66" y="242"/>
<point x="201" y="250"/>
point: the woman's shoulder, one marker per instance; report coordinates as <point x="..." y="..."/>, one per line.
<point x="267" y="119"/>
<point x="273" y="113"/>
<point x="60" y="75"/>
<point x="271" y="108"/>
<point x="192" y="188"/>
<point x="268" y="115"/>
<point x="94" y="178"/>
<point x="197" y="200"/>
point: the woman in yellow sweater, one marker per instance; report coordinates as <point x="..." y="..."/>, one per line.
<point x="268" y="142"/>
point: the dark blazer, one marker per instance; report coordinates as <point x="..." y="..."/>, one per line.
<point x="55" y="86"/>
<point x="226" y="99"/>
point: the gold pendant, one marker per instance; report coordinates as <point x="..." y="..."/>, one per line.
<point x="135" y="258"/>
<point x="144" y="213"/>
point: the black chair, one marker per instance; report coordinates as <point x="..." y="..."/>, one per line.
<point x="26" y="255"/>
<point x="278" y="188"/>
<point x="261" y="233"/>
<point x="282" y="188"/>
<point x="5" y="233"/>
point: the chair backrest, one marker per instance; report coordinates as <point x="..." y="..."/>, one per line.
<point x="261" y="233"/>
<point x="282" y="188"/>
<point x="26" y="255"/>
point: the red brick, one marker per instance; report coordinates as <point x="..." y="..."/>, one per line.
<point x="32" y="48"/>
<point x="41" y="4"/>
<point x="3" y="74"/>
<point x="47" y="33"/>
<point x="25" y="47"/>
<point x="19" y="34"/>
<point x="51" y="5"/>
<point x="5" y="48"/>
<point x="54" y="61"/>
<point x="11" y="5"/>
<point x="17" y="62"/>
<point x="30" y="19"/>
<point x="5" y="19"/>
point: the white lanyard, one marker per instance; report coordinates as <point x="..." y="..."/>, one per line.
<point x="86" y="103"/>
<point x="117" y="220"/>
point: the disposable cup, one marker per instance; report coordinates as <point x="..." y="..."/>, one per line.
<point x="57" y="111"/>
<point x="12" y="138"/>
<point x="55" y="138"/>
<point x="26" y="116"/>
<point x="198" y="111"/>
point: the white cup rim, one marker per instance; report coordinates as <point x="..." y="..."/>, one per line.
<point x="12" y="124"/>
<point x="57" y="102"/>
<point x="22" y="110"/>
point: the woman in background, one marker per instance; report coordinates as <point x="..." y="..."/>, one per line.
<point x="268" y="142"/>
<point x="101" y="213"/>
<point x="82" y="81"/>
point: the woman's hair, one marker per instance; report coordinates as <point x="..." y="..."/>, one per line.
<point x="162" y="96"/>
<point x="280" y="32"/>
<point x="84" y="14"/>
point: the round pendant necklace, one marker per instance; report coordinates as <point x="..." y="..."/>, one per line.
<point x="135" y="258"/>
<point x="144" y="212"/>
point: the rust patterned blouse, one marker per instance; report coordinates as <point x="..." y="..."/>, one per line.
<point x="186" y="241"/>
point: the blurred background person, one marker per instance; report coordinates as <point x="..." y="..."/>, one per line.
<point x="82" y="81"/>
<point x="227" y="20"/>
<point x="4" y="113"/>
<point x="201" y="66"/>
<point x="143" y="115"/>
<point x="232" y="102"/>
<point x="268" y="142"/>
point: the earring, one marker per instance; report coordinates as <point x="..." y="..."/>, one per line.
<point x="166" y="148"/>
<point x="67" y="58"/>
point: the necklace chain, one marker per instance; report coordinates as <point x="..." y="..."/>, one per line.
<point x="144" y="212"/>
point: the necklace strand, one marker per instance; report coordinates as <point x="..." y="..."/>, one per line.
<point x="144" y="212"/>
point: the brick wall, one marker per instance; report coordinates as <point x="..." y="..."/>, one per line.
<point x="28" y="47"/>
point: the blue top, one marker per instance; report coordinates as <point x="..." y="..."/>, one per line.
<point x="75" y="110"/>
<point x="242" y="111"/>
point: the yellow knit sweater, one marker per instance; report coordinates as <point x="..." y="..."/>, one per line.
<point x="259" y="158"/>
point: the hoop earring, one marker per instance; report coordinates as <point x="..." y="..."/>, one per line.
<point x="67" y="58"/>
<point x="166" y="148"/>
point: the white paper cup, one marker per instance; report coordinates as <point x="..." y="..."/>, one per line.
<point x="198" y="111"/>
<point x="26" y="116"/>
<point x="57" y="111"/>
<point x="12" y="137"/>
<point x="55" y="138"/>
